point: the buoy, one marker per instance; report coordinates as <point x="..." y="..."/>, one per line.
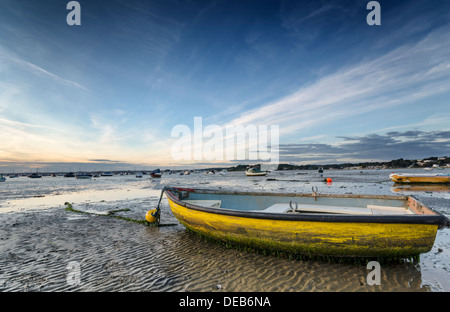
<point x="151" y="215"/>
<point x="329" y="180"/>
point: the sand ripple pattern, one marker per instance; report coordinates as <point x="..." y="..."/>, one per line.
<point x="116" y="255"/>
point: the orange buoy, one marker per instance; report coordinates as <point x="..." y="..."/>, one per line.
<point x="329" y="180"/>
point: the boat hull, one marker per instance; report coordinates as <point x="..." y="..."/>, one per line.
<point x="399" y="178"/>
<point x="255" y="173"/>
<point x="354" y="236"/>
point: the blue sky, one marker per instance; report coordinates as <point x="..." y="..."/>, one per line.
<point x="110" y="91"/>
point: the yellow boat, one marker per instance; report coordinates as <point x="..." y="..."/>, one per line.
<point x="419" y="178"/>
<point x="310" y="224"/>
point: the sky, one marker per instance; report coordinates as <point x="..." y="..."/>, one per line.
<point x="108" y="94"/>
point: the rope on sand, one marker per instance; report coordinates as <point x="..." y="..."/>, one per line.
<point x="112" y="213"/>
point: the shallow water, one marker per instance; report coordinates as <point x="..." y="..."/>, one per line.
<point x="38" y="238"/>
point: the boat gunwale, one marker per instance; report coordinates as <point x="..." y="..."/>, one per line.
<point x="432" y="219"/>
<point x="418" y="178"/>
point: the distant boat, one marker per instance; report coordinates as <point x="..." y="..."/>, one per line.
<point x="69" y="175"/>
<point x="13" y="175"/>
<point x="156" y="173"/>
<point x="320" y="170"/>
<point x="255" y="172"/>
<point x="223" y="172"/>
<point x="187" y="172"/>
<point x="107" y="174"/>
<point x="139" y="175"/>
<point x="2" y="178"/>
<point x="419" y="178"/>
<point x="84" y="176"/>
<point x="35" y="176"/>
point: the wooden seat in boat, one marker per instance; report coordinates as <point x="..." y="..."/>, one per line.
<point x="305" y="208"/>
<point x="204" y="203"/>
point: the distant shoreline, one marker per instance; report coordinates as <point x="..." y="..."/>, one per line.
<point x="430" y="162"/>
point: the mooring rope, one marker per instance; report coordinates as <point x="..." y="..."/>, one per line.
<point x="315" y="192"/>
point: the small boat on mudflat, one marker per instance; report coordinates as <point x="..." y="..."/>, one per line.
<point x="254" y="172"/>
<point x="419" y="178"/>
<point x="344" y="225"/>
<point x="2" y="178"/>
<point x="156" y="173"/>
<point x="84" y="176"/>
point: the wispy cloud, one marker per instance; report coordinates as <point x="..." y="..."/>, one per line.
<point x="412" y="144"/>
<point x="11" y="58"/>
<point x="38" y="69"/>
<point x="403" y="75"/>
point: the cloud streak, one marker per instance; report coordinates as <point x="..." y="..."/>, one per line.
<point x="411" y="144"/>
<point x="35" y="69"/>
<point x="374" y="84"/>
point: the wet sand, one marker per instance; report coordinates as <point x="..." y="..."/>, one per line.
<point x="38" y="243"/>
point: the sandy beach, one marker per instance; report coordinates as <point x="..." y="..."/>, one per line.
<point x="39" y="239"/>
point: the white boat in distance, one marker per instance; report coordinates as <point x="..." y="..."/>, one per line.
<point x="253" y="172"/>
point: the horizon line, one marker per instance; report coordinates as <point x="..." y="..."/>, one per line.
<point x="62" y="166"/>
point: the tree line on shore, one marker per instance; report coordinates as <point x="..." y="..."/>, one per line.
<point x="397" y="163"/>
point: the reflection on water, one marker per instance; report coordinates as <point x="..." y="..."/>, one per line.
<point x="25" y="194"/>
<point x="92" y="196"/>
<point x="411" y="188"/>
<point x="119" y="255"/>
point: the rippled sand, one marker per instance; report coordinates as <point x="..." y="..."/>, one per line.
<point x="117" y="255"/>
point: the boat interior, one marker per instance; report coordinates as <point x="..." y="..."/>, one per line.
<point x="302" y="204"/>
